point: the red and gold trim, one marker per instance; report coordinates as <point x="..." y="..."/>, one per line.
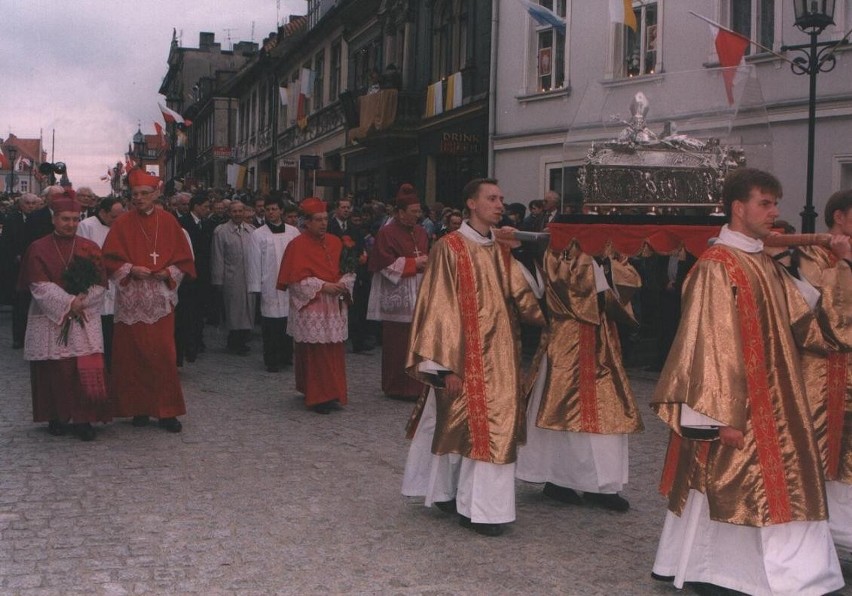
<point x="589" y="422"/>
<point x="474" y="368"/>
<point x="757" y="381"/>
<point x="836" y="394"/>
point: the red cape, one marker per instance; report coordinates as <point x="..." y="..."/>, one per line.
<point x="42" y="261"/>
<point x="394" y="241"/>
<point x="306" y="256"/>
<point x="128" y="243"/>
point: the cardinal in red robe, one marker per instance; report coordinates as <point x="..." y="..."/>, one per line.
<point x="397" y="263"/>
<point x="319" y="307"/>
<point x="146" y="253"/>
<point x="63" y="341"/>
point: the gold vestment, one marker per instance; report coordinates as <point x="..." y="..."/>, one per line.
<point x="466" y="321"/>
<point x="826" y="362"/>
<point x="586" y="388"/>
<point x="735" y="360"/>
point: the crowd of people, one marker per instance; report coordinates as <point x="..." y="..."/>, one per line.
<point x="756" y="387"/>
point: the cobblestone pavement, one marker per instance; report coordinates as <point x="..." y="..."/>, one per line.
<point x="260" y="496"/>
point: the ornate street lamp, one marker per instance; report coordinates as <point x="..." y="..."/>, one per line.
<point x="812" y="17"/>
<point x="13" y="155"/>
<point x="139" y="146"/>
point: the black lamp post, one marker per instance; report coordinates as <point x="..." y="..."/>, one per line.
<point x="812" y="16"/>
<point x="139" y="146"/>
<point x="13" y="155"/>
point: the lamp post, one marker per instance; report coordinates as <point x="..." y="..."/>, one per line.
<point x="13" y="155"/>
<point x="812" y="17"/>
<point x="139" y="147"/>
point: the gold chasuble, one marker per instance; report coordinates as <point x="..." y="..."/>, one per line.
<point x="466" y="321"/>
<point x="827" y="362"/>
<point x="586" y="389"/>
<point x="735" y="360"/>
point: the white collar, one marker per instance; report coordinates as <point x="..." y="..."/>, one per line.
<point x="728" y="237"/>
<point x="195" y="218"/>
<point x="471" y="234"/>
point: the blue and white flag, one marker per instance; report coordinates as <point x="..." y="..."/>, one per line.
<point x="544" y="16"/>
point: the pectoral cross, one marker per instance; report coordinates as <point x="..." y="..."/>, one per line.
<point x="416" y="252"/>
<point x="154" y="256"/>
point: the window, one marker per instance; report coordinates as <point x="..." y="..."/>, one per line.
<point x="640" y="47"/>
<point x="364" y="61"/>
<point x="753" y="18"/>
<point x="319" y="80"/>
<point x="550" y="54"/>
<point x="450" y="37"/>
<point x="309" y="101"/>
<point x="334" y="74"/>
<point x="563" y="179"/>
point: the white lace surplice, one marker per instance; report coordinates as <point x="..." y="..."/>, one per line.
<point x="317" y="318"/>
<point x="144" y="300"/>
<point x="48" y="308"/>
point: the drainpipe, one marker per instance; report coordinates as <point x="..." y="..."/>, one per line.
<point x="492" y="85"/>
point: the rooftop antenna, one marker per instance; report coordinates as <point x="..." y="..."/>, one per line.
<point x="180" y="38"/>
<point x="252" y="31"/>
<point x="277" y="13"/>
<point x="228" y="34"/>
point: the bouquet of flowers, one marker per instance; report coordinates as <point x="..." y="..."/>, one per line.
<point x="80" y="275"/>
<point x="350" y="258"/>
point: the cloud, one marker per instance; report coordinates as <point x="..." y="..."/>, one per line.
<point x="91" y="70"/>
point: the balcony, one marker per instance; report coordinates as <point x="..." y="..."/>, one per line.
<point x="387" y="115"/>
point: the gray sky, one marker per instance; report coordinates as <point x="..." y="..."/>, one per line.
<point x="90" y="69"/>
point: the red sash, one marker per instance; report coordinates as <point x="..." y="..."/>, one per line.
<point x="474" y="368"/>
<point x="836" y="380"/>
<point x="757" y="383"/>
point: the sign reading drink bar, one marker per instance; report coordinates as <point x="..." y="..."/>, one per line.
<point x="461" y="143"/>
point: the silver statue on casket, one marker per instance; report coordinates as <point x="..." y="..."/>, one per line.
<point x="643" y="169"/>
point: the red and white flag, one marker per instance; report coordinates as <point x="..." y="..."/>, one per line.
<point x="159" y="128"/>
<point x="170" y="115"/>
<point x="730" y="48"/>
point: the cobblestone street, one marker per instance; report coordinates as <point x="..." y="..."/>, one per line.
<point x="259" y="496"/>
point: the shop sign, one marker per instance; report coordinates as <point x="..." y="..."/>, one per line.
<point x="461" y="143"/>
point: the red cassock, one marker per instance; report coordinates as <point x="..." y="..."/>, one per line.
<point x="392" y="242"/>
<point x="144" y="368"/>
<point x="317" y="321"/>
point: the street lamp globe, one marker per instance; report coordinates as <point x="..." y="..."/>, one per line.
<point x="812" y="16"/>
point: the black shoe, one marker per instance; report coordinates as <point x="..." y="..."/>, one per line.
<point x="87" y="433"/>
<point x="172" y="425"/>
<point x="321" y="408"/>
<point x="140" y="421"/>
<point x="191" y="356"/>
<point x="56" y="428"/>
<point x="562" y="494"/>
<point x="272" y="369"/>
<point x="333" y="406"/>
<point x="662" y="578"/>
<point x="446" y="506"/>
<point x="483" y="529"/>
<point x="613" y="502"/>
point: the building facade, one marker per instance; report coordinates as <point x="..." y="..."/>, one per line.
<point x="558" y="91"/>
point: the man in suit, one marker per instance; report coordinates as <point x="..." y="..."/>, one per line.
<point x="14" y="243"/>
<point x="194" y="295"/>
<point x="88" y="201"/>
<point x="340" y="224"/>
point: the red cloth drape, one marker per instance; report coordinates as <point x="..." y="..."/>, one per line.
<point x="631" y="239"/>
